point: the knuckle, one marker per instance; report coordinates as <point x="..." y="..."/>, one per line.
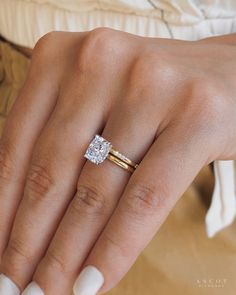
<point x="7" y="163"/>
<point x="112" y="240"/>
<point x="98" y="49"/>
<point x="42" y="44"/>
<point x="16" y="254"/>
<point x="101" y="40"/>
<point x="88" y="201"/>
<point x="143" y="199"/>
<point x="45" y="51"/>
<point x="39" y="182"/>
<point x="55" y="261"/>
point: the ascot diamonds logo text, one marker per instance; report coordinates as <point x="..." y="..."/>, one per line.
<point x="211" y="283"/>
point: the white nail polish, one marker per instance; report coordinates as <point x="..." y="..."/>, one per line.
<point x="7" y="286"/>
<point x="89" y="281"/>
<point x="33" y="289"/>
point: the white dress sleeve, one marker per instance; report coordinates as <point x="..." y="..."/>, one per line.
<point x="222" y="211"/>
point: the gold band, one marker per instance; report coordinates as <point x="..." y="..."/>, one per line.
<point x="122" y="161"/>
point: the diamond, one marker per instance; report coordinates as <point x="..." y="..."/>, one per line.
<point x="98" y="150"/>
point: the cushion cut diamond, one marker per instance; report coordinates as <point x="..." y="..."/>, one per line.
<point x="98" y="150"/>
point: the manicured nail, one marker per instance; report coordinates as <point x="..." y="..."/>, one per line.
<point x="7" y="287"/>
<point x="89" y="281"/>
<point x="33" y="289"/>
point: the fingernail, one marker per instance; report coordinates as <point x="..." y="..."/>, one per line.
<point x="33" y="289"/>
<point x="7" y="286"/>
<point x="89" y="281"/>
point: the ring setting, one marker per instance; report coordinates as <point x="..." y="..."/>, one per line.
<point x="101" y="149"/>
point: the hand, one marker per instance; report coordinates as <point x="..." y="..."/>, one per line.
<point x="168" y="105"/>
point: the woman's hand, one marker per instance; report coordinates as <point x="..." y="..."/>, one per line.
<point x="168" y="105"/>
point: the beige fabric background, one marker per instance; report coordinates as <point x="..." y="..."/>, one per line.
<point x="180" y="259"/>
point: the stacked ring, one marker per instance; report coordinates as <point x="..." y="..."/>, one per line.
<point x="100" y="149"/>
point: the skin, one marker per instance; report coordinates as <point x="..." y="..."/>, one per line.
<point x="169" y="105"/>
